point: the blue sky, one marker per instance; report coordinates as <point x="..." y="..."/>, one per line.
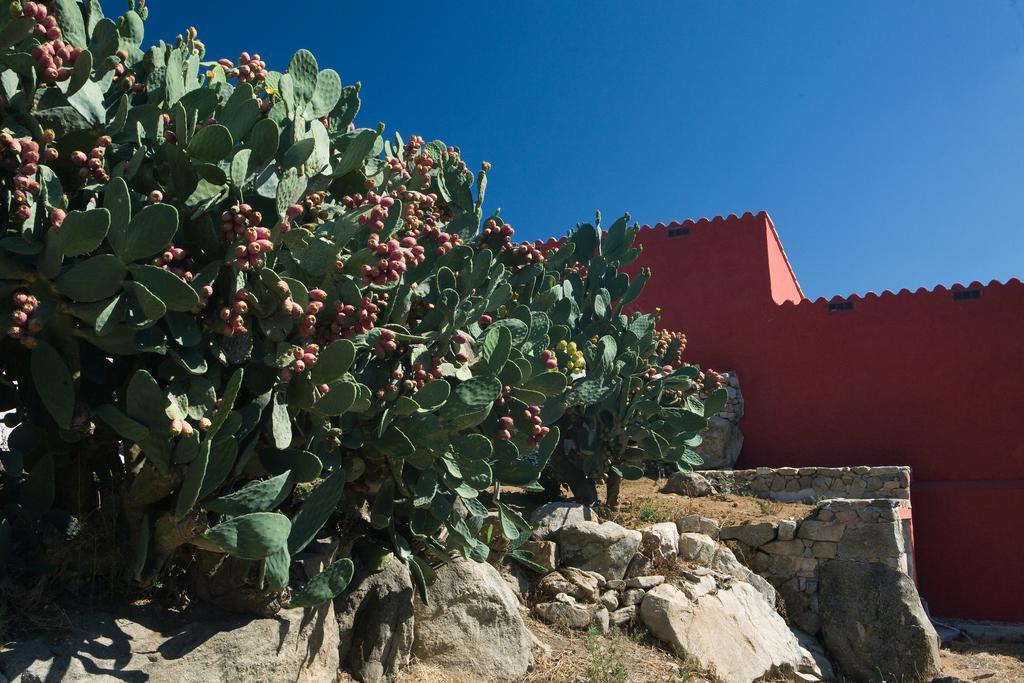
<point x="886" y="139"/>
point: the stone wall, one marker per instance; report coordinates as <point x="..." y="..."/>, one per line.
<point x="723" y="439"/>
<point x="790" y="553"/>
<point x="812" y="484"/>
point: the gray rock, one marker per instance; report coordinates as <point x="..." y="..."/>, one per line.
<point x="570" y="581"/>
<point x="873" y="623"/>
<point x="545" y="553"/>
<point x="518" y="578"/>
<point x="725" y="561"/>
<point x="816" y="652"/>
<point x="633" y="596"/>
<point x="661" y="540"/>
<point x="688" y="484"/>
<point x="787" y="529"/>
<point x="816" y="530"/>
<point x="806" y="496"/>
<point x="568" y="614"/>
<point x="143" y="645"/>
<point x="697" y="548"/>
<point x="472" y="625"/>
<point x="699" y="525"/>
<point x="645" y="582"/>
<point x="723" y="441"/>
<point x="624" y="616"/>
<point x="640" y="565"/>
<point x="871" y="542"/>
<point x="610" y="599"/>
<point x="375" y="623"/>
<point x="596" y="576"/>
<point x="550" y="517"/>
<point x="753" y="535"/>
<point x="602" y="619"/>
<point x="604" y="548"/>
<point x="732" y="631"/>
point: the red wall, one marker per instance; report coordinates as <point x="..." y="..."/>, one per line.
<point x="913" y="378"/>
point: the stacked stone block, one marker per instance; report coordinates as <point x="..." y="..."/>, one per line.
<point x="789" y="554"/>
<point x="811" y="484"/>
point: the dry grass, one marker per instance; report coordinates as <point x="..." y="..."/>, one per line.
<point x="991" y="663"/>
<point x="620" y="656"/>
<point x="641" y="503"/>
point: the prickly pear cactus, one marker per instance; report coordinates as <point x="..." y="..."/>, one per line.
<point x="234" y="322"/>
<point x="633" y="402"/>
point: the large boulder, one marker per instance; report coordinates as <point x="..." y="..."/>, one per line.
<point x="873" y="623"/>
<point x="689" y="484"/>
<point x="603" y="548"/>
<point x="550" y="517"/>
<point x="723" y="441"/>
<point x="725" y="561"/>
<point x="144" y="645"/>
<point x="375" y="624"/>
<point x="702" y="550"/>
<point x="727" y="627"/>
<point x="472" y="625"/>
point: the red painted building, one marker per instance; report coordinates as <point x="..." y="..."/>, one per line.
<point x="931" y="379"/>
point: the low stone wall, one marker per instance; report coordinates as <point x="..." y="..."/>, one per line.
<point x="789" y="553"/>
<point x="812" y="484"/>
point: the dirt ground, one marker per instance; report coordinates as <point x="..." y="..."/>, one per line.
<point x="641" y="503"/>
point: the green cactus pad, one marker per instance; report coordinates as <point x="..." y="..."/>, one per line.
<point x="326" y="585"/>
<point x="54" y="383"/>
<point x="168" y="287"/>
<point x="251" y="537"/>
<point x="256" y="496"/>
<point x="83" y="231"/>
<point x="94" y="279"/>
<point x="315" y="510"/>
<point x="334" y="361"/>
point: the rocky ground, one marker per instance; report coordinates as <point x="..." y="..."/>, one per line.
<point x="670" y="603"/>
<point x="636" y="656"/>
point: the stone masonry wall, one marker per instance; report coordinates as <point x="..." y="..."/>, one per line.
<point x="723" y="439"/>
<point x="812" y="484"/>
<point x="789" y="553"/>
